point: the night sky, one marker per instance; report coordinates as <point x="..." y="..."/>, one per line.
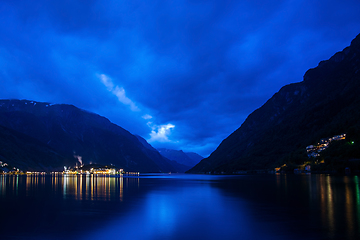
<point x="181" y="74"/>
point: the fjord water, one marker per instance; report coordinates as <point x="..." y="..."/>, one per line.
<point x="169" y="206"/>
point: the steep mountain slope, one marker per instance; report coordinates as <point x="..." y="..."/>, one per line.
<point x="77" y="134"/>
<point x="195" y="157"/>
<point x="187" y="159"/>
<point x="324" y="104"/>
<point x="24" y="152"/>
<point x="162" y="161"/>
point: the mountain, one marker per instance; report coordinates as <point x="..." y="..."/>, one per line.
<point x="63" y="134"/>
<point x="24" y="152"/>
<point x="161" y="160"/>
<point x="324" y="104"/>
<point x="188" y="159"/>
<point x="195" y="157"/>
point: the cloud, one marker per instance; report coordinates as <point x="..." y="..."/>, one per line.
<point x="160" y="133"/>
<point x="147" y="116"/>
<point x="107" y="82"/>
<point x="119" y="92"/>
<point x="201" y="66"/>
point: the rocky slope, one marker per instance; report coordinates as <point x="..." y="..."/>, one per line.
<point x="324" y="104"/>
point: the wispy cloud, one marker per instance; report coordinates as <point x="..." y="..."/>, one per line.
<point x="147" y="117"/>
<point x="119" y="92"/>
<point x="160" y="133"/>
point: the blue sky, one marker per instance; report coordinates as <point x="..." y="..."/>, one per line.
<point x="181" y="74"/>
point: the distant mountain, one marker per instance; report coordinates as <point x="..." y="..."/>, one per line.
<point x="63" y="134"/>
<point x="162" y="161"/>
<point x="189" y="159"/>
<point x="195" y="157"/>
<point x="324" y="104"/>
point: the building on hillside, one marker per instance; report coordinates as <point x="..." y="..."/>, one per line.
<point x="314" y="150"/>
<point x="339" y="137"/>
<point x="325" y="140"/>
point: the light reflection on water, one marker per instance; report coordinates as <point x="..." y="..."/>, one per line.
<point x="337" y="200"/>
<point x="78" y="187"/>
<point x="180" y="206"/>
<point x="90" y="187"/>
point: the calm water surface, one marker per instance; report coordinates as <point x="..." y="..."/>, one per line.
<point x="180" y="207"/>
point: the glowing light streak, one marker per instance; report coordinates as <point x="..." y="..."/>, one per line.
<point x="356" y="180"/>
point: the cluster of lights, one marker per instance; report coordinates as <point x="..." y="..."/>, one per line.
<point x="3" y="164"/>
<point x="35" y="173"/>
<point x="314" y="150"/>
<point x="98" y="171"/>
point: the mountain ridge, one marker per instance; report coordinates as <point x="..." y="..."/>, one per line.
<point x="78" y="134"/>
<point x="188" y="159"/>
<point x="294" y="117"/>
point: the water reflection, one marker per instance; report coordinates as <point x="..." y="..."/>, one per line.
<point x="278" y="206"/>
<point x="339" y="198"/>
<point x="334" y="200"/>
<point x="91" y="187"/>
<point x="78" y="187"/>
